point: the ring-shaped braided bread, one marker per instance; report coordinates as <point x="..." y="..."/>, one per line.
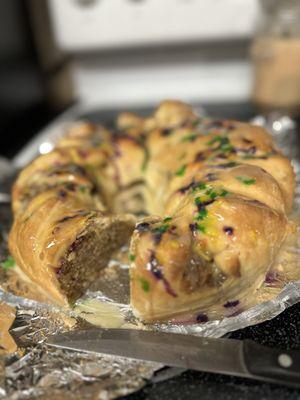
<point x="210" y="200"/>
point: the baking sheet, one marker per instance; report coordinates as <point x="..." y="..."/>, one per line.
<point x="106" y="305"/>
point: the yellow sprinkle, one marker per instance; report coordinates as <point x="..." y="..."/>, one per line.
<point x="253" y="235"/>
<point x="175" y="244"/>
<point x="212" y="231"/>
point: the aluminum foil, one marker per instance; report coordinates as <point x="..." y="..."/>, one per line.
<point x="106" y="305"/>
<point x="37" y="371"/>
<point x="44" y="374"/>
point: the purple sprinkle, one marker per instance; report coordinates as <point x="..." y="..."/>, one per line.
<point x="228" y="230"/>
<point x="156" y="270"/>
<point x="62" y="194"/>
<point x="157" y="237"/>
<point x="272" y="278"/>
<point x="202" y="318"/>
<point x="193" y="184"/>
<point x="202" y="205"/>
<point x="157" y="273"/>
<point x="252" y="150"/>
<point x="58" y="271"/>
<point x="211" y="177"/>
<point x="187" y="187"/>
<point x="215" y="124"/>
<point x="193" y="227"/>
<point x="143" y="227"/>
<point x="230" y="304"/>
<point x="166" y="132"/>
<point x="200" y="156"/>
<point x="168" y="287"/>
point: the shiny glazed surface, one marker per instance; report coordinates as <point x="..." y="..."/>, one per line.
<point x="211" y="198"/>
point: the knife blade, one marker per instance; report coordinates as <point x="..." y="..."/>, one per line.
<point x="224" y="356"/>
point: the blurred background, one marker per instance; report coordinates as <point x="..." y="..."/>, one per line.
<point x="235" y="57"/>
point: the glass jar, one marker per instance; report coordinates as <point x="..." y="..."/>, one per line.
<point x="276" y="57"/>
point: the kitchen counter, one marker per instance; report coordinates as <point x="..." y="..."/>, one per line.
<point x="283" y="331"/>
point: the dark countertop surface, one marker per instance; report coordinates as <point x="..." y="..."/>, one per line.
<point x="283" y="331"/>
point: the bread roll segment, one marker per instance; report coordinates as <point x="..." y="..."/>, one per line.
<point x="211" y="198"/>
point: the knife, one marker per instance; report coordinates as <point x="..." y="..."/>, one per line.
<point x="224" y="356"/>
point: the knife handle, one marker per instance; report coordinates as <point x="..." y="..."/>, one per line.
<point x="279" y="366"/>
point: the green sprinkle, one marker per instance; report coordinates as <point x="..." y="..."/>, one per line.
<point x="145" y="284"/>
<point x="215" y="139"/>
<point x="224" y="193"/>
<point x="162" y="229"/>
<point x="181" y="171"/>
<point x="201" y="228"/>
<point x="226" y="148"/>
<point x="245" y="180"/>
<point x="189" y="138"/>
<point x="201" y="186"/>
<point x="8" y="263"/>
<point x="248" y="157"/>
<point x="167" y="219"/>
<point x="82" y="188"/>
<point x="131" y="257"/>
<point x="198" y="201"/>
<point x="146" y="160"/>
<point x="213" y="195"/>
<point x="202" y="214"/>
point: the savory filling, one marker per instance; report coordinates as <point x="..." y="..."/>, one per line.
<point x="88" y="255"/>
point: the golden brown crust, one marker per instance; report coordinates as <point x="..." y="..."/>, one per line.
<point x="7" y="317"/>
<point x="220" y="192"/>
